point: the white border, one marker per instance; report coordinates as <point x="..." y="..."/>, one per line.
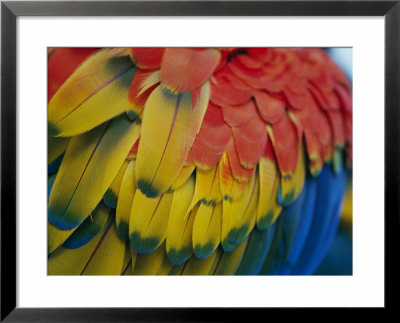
<point x="364" y="288"/>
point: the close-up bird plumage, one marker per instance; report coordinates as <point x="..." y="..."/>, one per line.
<point x="197" y="161"/>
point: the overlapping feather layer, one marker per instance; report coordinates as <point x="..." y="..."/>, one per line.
<point x="195" y="161"/>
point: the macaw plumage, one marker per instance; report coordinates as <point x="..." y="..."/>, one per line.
<point x="195" y="161"/>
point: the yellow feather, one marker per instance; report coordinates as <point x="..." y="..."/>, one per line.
<point x="127" y="259"/>
<point x="197" y="266"/>
<point x="56" y="237"/>
<point x="176" y="270"/>
<point x="347" y="212"/>
<point x="96" y="92"/>
<point x="150" y="264"/>
<point x="233" y="214"/>
<point x="133" y="109"/>
<point x="148" y="221"/>
<point x="216" y="260"/>
<point x="108" y="256"/>
<point x="111" y="196"/>
<point x="268" y="206"/>
<point x="165" y="267"/>
<point x="245" y="225"/>
<point x="230" y="260"/>
<point x="73" y="261"/>
<point x="183" y="177"/>
<point x="231" y="189"/>
<point x="148" y="82"/>
<point x="207" y="229"/>
<point x="97" y="220"/>
<point x="291" y="187"/>
<point x="207" y="187"/>
<point x="169" y="127"/>
<point x="55" y="147"/>
<point x="127" y="271"/>
<point x="125" y="199"/>
<point x="90" y="164"/>
<point x="180" y="223"/>
<point x="133" y="257"/>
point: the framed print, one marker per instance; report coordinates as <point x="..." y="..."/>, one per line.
<point x="181" y="136"/>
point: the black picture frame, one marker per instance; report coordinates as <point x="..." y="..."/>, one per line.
<point x="11" y="10"/>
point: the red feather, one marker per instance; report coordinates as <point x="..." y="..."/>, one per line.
<point x="62" y="63"/>
<point x="147" y="58"/>
<point x="184" y="70"/>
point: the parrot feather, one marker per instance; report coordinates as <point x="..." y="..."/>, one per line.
<point x="257" y="249"/>
<point x="230" y="260"/>
<point x="165" y="142"/>
<point x="55" y="147"/>
<point x="50" y="184"/>
<point x="290" y="188"/>
<point x="148" y="221"/>
<point x="285" y="141"/>
<point x="236" y="115"/>
<point x="125" y="200"/>
<point x="127" y="263"/>
<point x="231" y="189"/>
<point x="177" y="72"/>
<point x="165" y="267"/>
<point x="250" y="62"/>
<point x="56" y="237"/>
<point x="329" y="198"/>
<point x="310" y="187"/>
<point x="276" y="255"/>
<point x="176" y="270"/>
<point x="108" y="257"/>
<point x="183" y="177"/>
<point x="180" y="223"/>
<point x="143" y="83"/>
<point x="290" y="220"/>
<point x="147" y="58"/>
<point x="90" y="164"/>
<point x="134" y="256"/>
<point x="240" y="173"/>
<point x="207" y="229"/>
<point x="89" y="228"/>
<point x="244" y="225"/>
<point x="223" y="93"/>
<point x="250" y="139"/>
<point x="201" y="266"/>
<point x="96" y="92"/>
<point x="73" y="261"/>
<point x="268" y="206"/>
<point x="62" y="63"/>
<point x="111" y="196"/>
<point x="127" y="271"/>
<point x="212" y="139"/>
<point x="270" y="108"/>
<point x="149" y="264"/>
<point x="233" y="214"/>
<point x="207" y="187"/>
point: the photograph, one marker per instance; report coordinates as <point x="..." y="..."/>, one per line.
<point x="249" y="146"/>
<point x="199" y="161"/>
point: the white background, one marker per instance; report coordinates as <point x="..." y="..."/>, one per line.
<point x="364" y="288"/>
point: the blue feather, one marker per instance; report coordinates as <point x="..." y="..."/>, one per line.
<point x="329" y="196"/>
<point x="284" y="237"/>
<point x="88" y="229"/>
<point x="303" y="227"/>
<point x="50" y="183"/>
<point x="55" y="165"/>
<point x="338" y="260"/>
<point x="274" y="261"/>
<point x="256" y="251"/>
